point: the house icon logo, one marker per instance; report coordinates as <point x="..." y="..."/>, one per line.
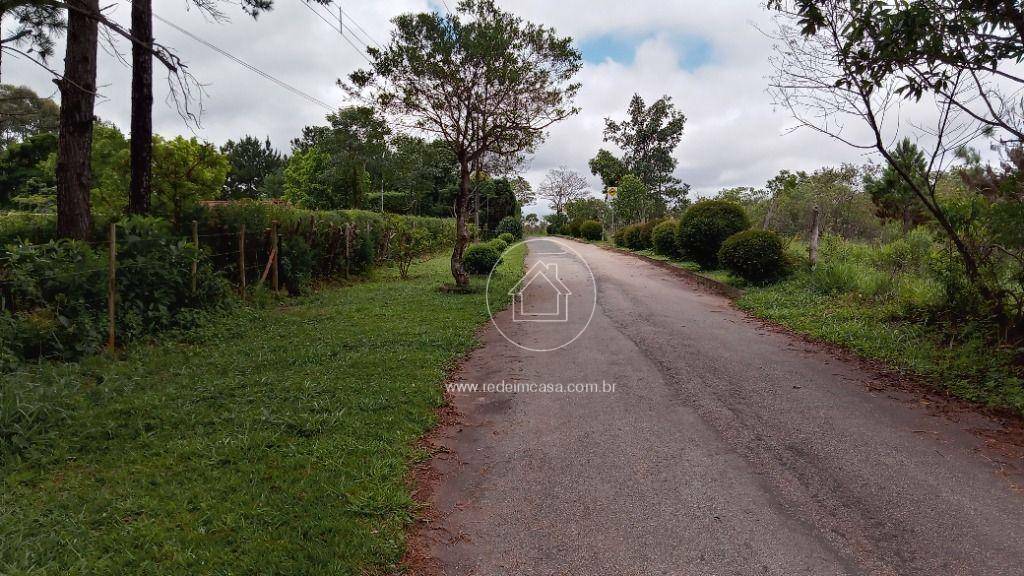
<point x="541" y="277"/>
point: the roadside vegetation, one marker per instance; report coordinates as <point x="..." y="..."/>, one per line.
<point x="926" y="274"/>
<point x="269" y="440"/>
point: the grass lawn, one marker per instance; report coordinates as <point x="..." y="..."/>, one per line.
<point x="967" y="367"/>
<point x="275" y="441"/>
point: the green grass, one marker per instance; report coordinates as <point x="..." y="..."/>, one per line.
<point x="276" y="441"/>
<point x="966" y="367"/>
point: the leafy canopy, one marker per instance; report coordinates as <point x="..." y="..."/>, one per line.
<point x="648" y="137"/>
<point x="481" y="79"/>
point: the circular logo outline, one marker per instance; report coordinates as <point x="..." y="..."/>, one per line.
<point x="593" y="308"/>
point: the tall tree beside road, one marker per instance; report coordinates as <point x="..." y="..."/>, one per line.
<point x="481" y="79"/>
<point x="78" y="99"/>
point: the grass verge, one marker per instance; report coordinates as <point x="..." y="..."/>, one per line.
<point x="275" y="441"/>
<point x="960" y="361"/>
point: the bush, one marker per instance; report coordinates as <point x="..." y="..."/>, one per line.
<point x="481" y="258"/>
<point x="705" y="225"/>
<point x="572" y="229"/>
<point x="55" y="294"/>
<point x="295" y="263"/>
<point x="754" y="255"/>
<point x="647" y="234"/>
<point x="499" y="245"/>
<point x="590" y="230"/>
<point x="510" y="225"/>
<point x="507" y="237"/>
<point x="663" y="239"/>
<point x="556" y="222"/>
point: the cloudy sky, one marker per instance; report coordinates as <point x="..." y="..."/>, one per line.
<point x="707" y="55"/>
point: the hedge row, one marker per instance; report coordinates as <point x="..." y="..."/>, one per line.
<point x="53" y="292"/>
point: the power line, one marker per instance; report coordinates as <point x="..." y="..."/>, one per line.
<point x="245" y="64"/>
<point x="363" y="30"/>
<point x="338" y="29"/>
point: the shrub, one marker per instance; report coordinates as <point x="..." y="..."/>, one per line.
<point x="556" y="222"/>
<point x="754" y="255"/>
<point x="499" y="245"/>
<point x="410" y="243"/>
<point x="510" y="225"/>
<point x="295" y="263"/>
<point x="663" y="239"/>
<point x="633" y="237"/>
<point x="481" y="258"/>
<point x="591" y="230"/>
<point x="507" y="237"/>
<point x="705" y="225"/>
<point x="647" y="234"/>
<point x="572" y="229"/>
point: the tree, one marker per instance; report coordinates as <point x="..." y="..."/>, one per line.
<point x="309" y="182"/>
<point x="951" y="48"/>
<point x="78" y="99"/>
<point x="36" y="22"/>
<point x="497" y="200"/>
<point x="23" y="114"/>
<point x="252" y="162"/>
<point x="893" y="198"/>
<point x="22" y="170"/>
<point x="524" y="192"/>
<point x="481" y="79"/>
<point x="185" y="171"/>
<point x="635" y="202"/>
<point x="834" y="63"/>
<point x="425" y="170"/>
<point x="648" y="138"/>
<point x="608" y="167"/>
<point x="562" y="185"/>
<point x="585" y="209"/>
<point x="143" y="51"/>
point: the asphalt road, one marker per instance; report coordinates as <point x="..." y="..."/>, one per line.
<point x="726" y="447"/>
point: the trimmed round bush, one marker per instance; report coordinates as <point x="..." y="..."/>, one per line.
<point x="663" y="239"/>
<point x="499" y="244"/>
<point x="590" y="230"/>
<point x="632" y="237"/>
<point x="481" y="258"/>
<point x="754" y="255"/>
<point x="705" y="226"/>
<point x="510" y="225"/>
<point x="507" y="237"/>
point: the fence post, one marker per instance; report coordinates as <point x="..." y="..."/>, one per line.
<point x="348" y="249"/>
<point x="112" y="288"/>
<point x="241" y="261"/>
<point x="815" y="234"/>
<point x="195" y="261"/>
<point x="274" y="246"/>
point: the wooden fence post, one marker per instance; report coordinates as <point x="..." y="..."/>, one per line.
<point x="241" y="261"/>
<point x="112" y="289"/>
<point x="815" y="234"/>
<point x="195" y="261"/>
<point x="274" y="250"/>
<point x="348" y="249"/>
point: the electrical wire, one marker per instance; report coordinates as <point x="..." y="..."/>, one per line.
<point x="237" y="60"/>
<point x="338" y="29"/>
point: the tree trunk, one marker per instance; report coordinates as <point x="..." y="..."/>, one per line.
<point x="74" y="144"/>
<point x="461" y="227"/>
<point x="142" y="108"/>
